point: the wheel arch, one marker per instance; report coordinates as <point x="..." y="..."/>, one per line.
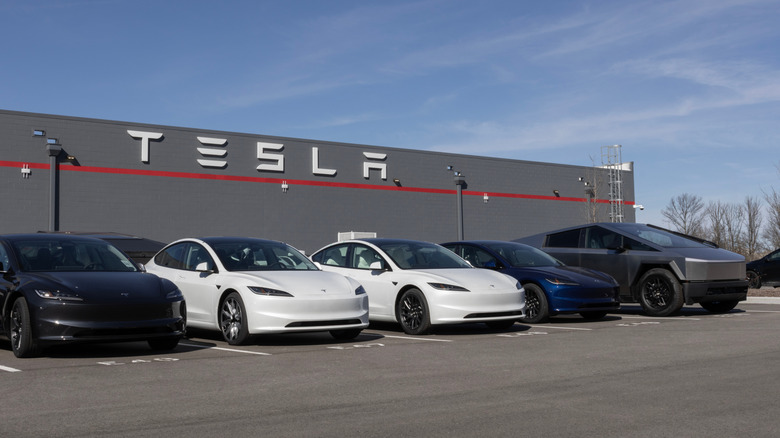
<point x="643" y="270"/>
<point x="5" y="316"/>
<point x="398" y="299"/>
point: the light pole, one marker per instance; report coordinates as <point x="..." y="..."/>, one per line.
<point x="460" y="181"/>
<point x="54" y="150"/>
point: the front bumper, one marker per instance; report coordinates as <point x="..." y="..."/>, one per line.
<point x="705" y="291"/>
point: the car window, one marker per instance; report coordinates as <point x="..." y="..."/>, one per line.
<point x="194" y="255"/>
<point x="478" y="258"/>
<point x="564" y="239"/>
<point x="58" y="254"/>
<point x="4" y="258"/>
<point x="522" y="256"/>
<point x="774" y="257"/>
<point x="421" y="255"/>
<point x="629" y="243"/>
<point x="333" y="256"/>
<point x="363" y="257"/>
<point x="172" y="256"/>
<point x="258" y="255"/>
<point x="600" y="238"/>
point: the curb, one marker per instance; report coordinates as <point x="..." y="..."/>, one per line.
<point x="763" y="300"/>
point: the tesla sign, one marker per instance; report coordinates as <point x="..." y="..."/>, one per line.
<point x="270" y="155"/>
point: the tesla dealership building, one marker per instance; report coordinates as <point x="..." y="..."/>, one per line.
<point x="164" y="182"/>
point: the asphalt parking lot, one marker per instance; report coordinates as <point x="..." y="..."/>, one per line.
<point x="695" y="375"/>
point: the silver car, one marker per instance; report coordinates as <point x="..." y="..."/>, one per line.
<point x="658" y="268"/>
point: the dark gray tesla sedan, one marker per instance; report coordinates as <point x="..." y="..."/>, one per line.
<point x="57" y="288"/>
<point x="658" y="268"/>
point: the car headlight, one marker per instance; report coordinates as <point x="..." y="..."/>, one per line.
<point x="562" y="282"/>
<point x="57" y="295"/>
<point x="448" y="287"/>
<point x="267" y="291"/>
<point x="360" y="290"/>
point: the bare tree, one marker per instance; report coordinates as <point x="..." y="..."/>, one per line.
<point x="733" y="225"/>
<point x="716" y="215"/>
<point x="772" y="229"/>
<point x="684" y="212"/>
<point x="753" y="222"/>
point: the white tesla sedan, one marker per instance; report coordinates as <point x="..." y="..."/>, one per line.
<point x="419" y="284"/>
<point x="245" y="286"/>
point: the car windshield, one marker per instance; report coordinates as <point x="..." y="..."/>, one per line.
<point x="522" y="256"/>
<point x="252" y="255"/>
<point x="55" y="254"/>
<point x="660" y="236"/>
<point x="422" y="255"/>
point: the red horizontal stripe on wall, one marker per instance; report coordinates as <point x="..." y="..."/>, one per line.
<point x="291" y="182"/>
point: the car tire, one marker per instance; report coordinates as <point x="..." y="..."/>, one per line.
<point x="346" y="334"/>
<point x="754" y="281"/>
<point x="232" y="319"/>
<point x="719" y="306"/>
<point x="163" y="344"/>
<point x="537" y="310"/>
<point x="660" y="294"/>
<point x="413" y="314"/>
<point x="593" y="314"/>
<point x="23" y="343"/>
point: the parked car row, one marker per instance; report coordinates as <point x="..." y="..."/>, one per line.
<point x="60" y="287"/>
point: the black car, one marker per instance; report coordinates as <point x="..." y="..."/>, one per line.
<point x="765" y="271"/>
<point x="140" y="249"/>
<point x="64" y="288"/>
<point x="660" y="269"/>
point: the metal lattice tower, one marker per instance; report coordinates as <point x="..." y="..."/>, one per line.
<point x="612" y="161"/>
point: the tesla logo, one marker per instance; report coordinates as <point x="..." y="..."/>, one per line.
<point x="323" y="290"/>
<point x="270" y="155"/>
<point x="124" y="294"/>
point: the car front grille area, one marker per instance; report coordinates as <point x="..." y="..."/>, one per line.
<point x="323" y="323"/>
<point x="87" y="334"/>
<point x="493" y="314"/>
<point x="726" y="290"/>
<point x="612" y="305"/>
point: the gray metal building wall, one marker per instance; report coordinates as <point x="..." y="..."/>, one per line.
<point x="109" y="188"/>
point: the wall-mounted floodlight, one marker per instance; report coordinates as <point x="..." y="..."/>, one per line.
<point x="285" y="186"/>
<point x="639" y="206"/>
<point x="556" y="193"/>
<point x="485" y="198"/>
<point x="38" y="132"/>
<point x="397" y="182"/>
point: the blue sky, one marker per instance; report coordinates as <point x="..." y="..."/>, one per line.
<point x="691" y="89"/>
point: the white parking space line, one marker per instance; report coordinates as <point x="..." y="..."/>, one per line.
<point x="665" y="318"/>
<point x="418" y="339"/>
<point x="567" y="328"/>
<point x="9" y="369"/>
<point x="206" y="347"/>
<point x="762" y="311"/>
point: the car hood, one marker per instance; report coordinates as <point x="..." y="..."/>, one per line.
<point x="711" y="254"/>
<point x="96" y="287"/>
<point x="300" y="283"/>
<point x="472" y="279"/>
<point x="573" y="273"/>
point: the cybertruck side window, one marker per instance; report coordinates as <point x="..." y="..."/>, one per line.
<point x="564" y="239"/>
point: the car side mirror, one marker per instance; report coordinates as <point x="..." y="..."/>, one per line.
<point x="318" y="265"/>
<point x="377" y="266"/>
<point x="203" y="267"/>
<point x="141" y="267"/>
